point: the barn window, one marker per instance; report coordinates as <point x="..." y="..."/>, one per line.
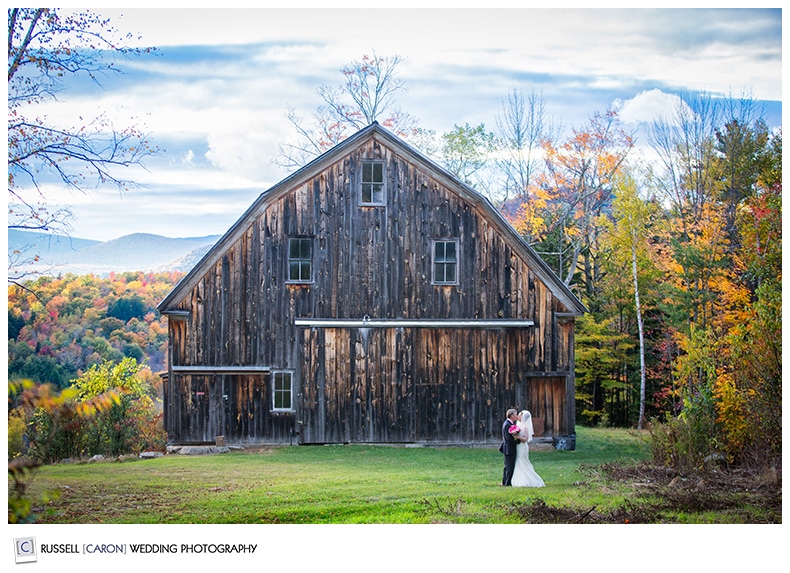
<point x="372" y="192"/>
<point x="445" y="262"/>
<point x="300" y="260"/>
<point x="282" y="391"/>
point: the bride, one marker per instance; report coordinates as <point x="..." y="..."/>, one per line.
<point x="524" y="474"/>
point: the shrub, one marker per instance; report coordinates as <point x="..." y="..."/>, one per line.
<point x="16" y="433"/>
<point x="688" y="442"/>
<point x="132" y="422"/>
<point x="111" y="409"/>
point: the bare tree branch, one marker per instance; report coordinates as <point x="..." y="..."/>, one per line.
<point x="45" y="47"/>
<point x="367" y="95"/>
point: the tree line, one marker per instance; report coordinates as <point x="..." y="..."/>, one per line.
<point x="84" y="356"/>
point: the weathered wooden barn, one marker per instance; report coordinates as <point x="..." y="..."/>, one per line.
<point x="369" y="297"/>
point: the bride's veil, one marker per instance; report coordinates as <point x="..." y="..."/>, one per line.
<point x="526" y="424"/>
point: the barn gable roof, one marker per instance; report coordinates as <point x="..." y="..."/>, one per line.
<point x="301" y="176"/>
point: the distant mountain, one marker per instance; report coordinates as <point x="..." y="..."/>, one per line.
<point x="188" y="261"/>
<point x="55" y="245"/>
<point x="136" y="252"/>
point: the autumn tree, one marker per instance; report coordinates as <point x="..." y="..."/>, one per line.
<point x="47" y="48"/>
<point x="709" y="153"/>
<point x="683" y="144"/>
<point x="368" y="93"/>
<point x="707" y="166"/>
<point x="720" y="175"/>
<point x="59" y="327"/>
<point x="42" y="424"/>
<point x="696" y="266"/>
<point x="521" y="132"/>
<point x="629" y="240"/>
<point x="131" y="423"/>
<point x="743" y="154"/>
<point x="749" y="382"/>
<point x="578" y="182"/>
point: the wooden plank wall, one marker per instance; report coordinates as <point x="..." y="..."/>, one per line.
<point x="232" y="405"/>
<point x="371" y="385"/>
<point x="420" y="385"/>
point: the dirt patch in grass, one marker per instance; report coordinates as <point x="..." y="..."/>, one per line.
<point x="97" y="504"/>
<point x="660" y="495"/>
<point x="257" y="450"/>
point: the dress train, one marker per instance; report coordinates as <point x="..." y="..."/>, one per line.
<point x="525" y="475"/>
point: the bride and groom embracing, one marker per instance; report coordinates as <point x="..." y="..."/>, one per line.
<point x="517" y="432"/>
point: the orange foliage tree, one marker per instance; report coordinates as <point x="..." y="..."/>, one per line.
<point x="721" y="179"/>
<point x="563" y="215"/>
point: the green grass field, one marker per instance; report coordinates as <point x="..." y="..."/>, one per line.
<point x="326" y="484"/>
<point x="395" y="485"/>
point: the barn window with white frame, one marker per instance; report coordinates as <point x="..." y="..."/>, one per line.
<point x="445" y="262"/>
<point x="282" y="391"/>
<point x="373" y="187"/>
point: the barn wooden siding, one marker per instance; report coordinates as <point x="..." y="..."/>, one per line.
<point x="369" y="384"/>
<point x="421" y="385"/>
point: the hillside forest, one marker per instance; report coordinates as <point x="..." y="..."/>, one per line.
<point x="58" y="327"/>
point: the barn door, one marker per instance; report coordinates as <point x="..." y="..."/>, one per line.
<point x="321" y="406"/>
<point x="545" y="398"/>
<point x="381" y="401"/>
<point x="343" y="390"/>
<point x="315" y="413"/>
<point x="204" y="413"/>
<point x="356" y="386"/>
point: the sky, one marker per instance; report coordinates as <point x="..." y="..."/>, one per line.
<point x="215" y="94"/>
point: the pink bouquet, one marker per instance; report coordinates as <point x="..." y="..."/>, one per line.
<point x="514" y="430"/>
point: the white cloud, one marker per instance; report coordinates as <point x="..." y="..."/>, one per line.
<point x="246" y="152"/>
<point x="648" y="106"/>
<point x="192" y="176"/>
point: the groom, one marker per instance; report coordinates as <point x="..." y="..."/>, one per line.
<point x="508" y="447"/>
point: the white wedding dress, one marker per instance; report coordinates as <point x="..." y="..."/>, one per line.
<point x="524" y="475"/>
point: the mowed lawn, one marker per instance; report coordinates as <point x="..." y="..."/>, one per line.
<point x="328" y="484"/>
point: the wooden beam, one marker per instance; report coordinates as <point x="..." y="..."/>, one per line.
<point x="219" y="369"/>
<point x="411" y="323"/>
<point x="177" y="314"/>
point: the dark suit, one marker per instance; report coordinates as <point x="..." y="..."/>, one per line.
<point x="508" y="448"/>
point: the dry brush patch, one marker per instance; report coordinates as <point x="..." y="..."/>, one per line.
<point x="662" y="495"/>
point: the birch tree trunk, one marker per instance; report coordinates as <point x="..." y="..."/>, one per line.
<point x="642" y="371"/>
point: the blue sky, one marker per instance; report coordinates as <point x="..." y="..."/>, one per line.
<point x="214" y="97"/>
